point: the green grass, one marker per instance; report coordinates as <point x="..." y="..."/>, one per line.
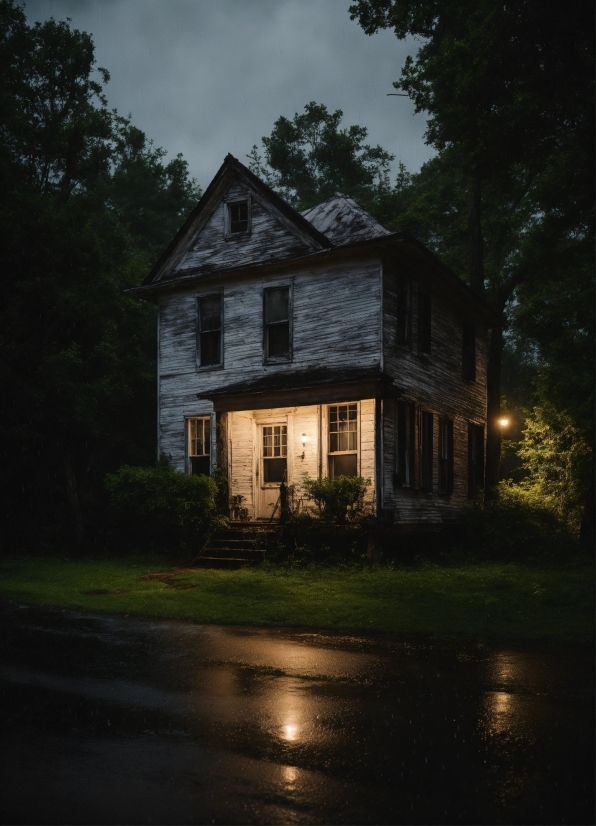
<point x="520" y="603"/>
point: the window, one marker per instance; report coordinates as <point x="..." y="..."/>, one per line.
<point x="469" y="351"/>
<point x="276" y="312"/>
<point x="445" y="456"/>
<point x="199" y="446"/>
<point x="210" y="327"/>
<point x="237" y="218"/>
<point x="424" y="321"/>
<point x="404" y="310"/>
<point x="426" y="451"/>
<point x="343" y="440"/>
<point x="275" y="453"/>
<point x="404" y="447"/>
<point x="475" y="459"/>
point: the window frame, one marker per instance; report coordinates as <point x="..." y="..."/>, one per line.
<point x="403" y="335"/>
<point x="189" y="421"/>
<point x="446" y="456"/>
<point x="285" y="359"/>
<point x="220" y="363"/>
<point x="426" y="447"/>
<point x="404" y="475"/>
<point x="228" y="234"/>
<point x="425" y="316"/>
<point x="352" y="452"/>
<point x="468" y="357"/>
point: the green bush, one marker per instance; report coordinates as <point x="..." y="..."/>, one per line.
<point x="159" y="508"/>
<point x="338" y="501"/>
<point x="512" y="526"/>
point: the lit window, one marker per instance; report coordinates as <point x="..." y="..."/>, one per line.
<point x="199" y="446"/>
<point x="343" y="440"/>
<point x="275" y="452"/>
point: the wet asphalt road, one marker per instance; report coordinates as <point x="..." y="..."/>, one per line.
<point x="113" y="720"/>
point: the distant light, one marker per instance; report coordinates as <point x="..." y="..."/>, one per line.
<point x="504" y="422"/>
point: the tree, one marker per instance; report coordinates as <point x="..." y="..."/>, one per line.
<point x="85" y="203"/>
<point x="509" y="93"/>
<point x="309" y="158"/>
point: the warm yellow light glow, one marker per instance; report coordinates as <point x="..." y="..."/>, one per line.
<point x="290" y="732"/>
<point x="304" y="439"/>
<point x="504" y="421"/>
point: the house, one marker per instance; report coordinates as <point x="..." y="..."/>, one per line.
<point x="317" y="344"/>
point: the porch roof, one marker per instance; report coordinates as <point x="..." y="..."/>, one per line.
<point x="302" y="387"/>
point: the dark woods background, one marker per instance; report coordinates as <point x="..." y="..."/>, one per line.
<point x="87" y="203"/>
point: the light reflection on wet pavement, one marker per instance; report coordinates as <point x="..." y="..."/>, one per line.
<point x="113" y="720"/>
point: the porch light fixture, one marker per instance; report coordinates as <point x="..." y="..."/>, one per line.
<point x="304" y="440"/>
<point x="504" y="421"/>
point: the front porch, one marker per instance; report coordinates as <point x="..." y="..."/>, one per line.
<point x="308" y="425"/>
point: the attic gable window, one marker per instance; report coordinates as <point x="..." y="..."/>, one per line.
<point x="237" y="218"/>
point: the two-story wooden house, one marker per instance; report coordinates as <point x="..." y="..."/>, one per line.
<point x="317" y="344"/>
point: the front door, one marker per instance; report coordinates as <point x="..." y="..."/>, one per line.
<point x="273" y="468"/>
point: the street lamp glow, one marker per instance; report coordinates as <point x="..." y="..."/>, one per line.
<point x="504" y="421"/>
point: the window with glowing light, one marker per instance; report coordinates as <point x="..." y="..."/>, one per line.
<point x="199" y="446"/>
<point x="343" y="440"/>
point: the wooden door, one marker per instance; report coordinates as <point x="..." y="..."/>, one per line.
<point x="273" y="467"/>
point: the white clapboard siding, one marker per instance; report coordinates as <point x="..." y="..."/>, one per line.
<point x="434" y="382"/>
<point x="336" y="323"/>
<point x="269" y="239"/>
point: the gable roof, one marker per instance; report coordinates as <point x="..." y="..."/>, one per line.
<point x="343" y="221"/>
<point x="232" y="170"/>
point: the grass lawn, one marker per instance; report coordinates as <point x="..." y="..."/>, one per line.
<point x="515" y="603"/>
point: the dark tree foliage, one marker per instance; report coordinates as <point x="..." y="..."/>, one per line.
<point x="509" y="90"/>
<point x="310" y="158"/>
<point x="86" y="202"/>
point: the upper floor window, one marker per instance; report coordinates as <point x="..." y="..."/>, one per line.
<point x="343" y="440"/>
<point x="404" y="310"/>
<point x="210" y="329"/>
<point x="199" y="446"/>
<point x="276" y="324"/>
<point x="237" y="218"/>
<point x="424" y="321"/>
<point x="469" y="351"/>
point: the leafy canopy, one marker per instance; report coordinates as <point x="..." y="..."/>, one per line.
<point x="309" y="158"/>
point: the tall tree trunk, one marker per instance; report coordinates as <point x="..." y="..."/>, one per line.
<point x="493" y="410"/>
<point x="73" y="498"/>
<point x="475" y="246"/>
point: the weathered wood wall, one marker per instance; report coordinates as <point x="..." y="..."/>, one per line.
<point x="434" y="382"/>
<point x="336" y="323"/>
<point x="270" y="239"/>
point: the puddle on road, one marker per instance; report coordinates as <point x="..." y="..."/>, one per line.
<point x="341" y="729"/>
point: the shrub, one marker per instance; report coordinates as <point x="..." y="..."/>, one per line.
<point x="338" y="501"/>
<point x="159" y="508"/>
<point x="513" y="526"/>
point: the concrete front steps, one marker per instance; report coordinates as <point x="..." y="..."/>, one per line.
<point x="242" y="543"/>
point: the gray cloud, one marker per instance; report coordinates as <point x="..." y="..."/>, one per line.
<point x="207" y="77"/>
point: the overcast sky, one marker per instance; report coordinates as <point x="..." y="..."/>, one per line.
<point x="208" y="77"/>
